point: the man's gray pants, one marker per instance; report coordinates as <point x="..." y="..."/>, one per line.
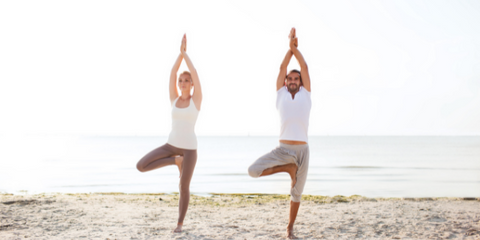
<point x="282" y="155"/>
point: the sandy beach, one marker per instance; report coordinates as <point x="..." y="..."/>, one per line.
<point x="153" y="216"/>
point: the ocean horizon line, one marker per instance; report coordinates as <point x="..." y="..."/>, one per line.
<point x="154" y="135"/>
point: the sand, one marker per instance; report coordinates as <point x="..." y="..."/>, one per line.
<point x="143" y="216"/>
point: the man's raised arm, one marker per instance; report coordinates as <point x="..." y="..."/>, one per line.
<point x="283" y="70"/>
<point x="300" y="59"/>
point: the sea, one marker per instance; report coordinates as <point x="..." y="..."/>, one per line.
<point x="371" y="166"/>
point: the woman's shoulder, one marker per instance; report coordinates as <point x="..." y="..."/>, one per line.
<point x="172" y="102"/>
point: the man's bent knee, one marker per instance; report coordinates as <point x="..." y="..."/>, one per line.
<point x="253" y="172"/>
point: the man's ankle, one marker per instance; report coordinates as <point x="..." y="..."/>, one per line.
<point x="290" y="227"/>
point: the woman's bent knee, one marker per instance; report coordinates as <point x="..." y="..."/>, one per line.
<point x="140" y="167"/>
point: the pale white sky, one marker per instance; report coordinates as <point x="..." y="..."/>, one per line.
<point x="377" y="67"/>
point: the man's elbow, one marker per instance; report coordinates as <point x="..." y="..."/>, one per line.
<point x="304" y="66"/>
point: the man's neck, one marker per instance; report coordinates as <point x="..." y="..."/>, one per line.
<point x="293" y="93"/>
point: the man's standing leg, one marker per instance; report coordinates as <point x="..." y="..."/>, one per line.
<point x="292" y="161"/>
<point x="294" y="206"/>
<point x="291" y="169"/>
<point x="301" y="160"/>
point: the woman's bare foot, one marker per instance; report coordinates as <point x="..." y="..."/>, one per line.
<point x="178" y="229"/>
<point x="289" y="234"/>
<point x="178" y="162"/>
<point x="292" y="170"/>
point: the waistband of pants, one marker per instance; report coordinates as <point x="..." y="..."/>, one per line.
<point x="294" y="147"/>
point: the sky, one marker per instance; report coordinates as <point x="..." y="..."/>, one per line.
<point x="102" y="67"/>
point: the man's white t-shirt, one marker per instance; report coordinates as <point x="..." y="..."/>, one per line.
<point x="294" y="114"/>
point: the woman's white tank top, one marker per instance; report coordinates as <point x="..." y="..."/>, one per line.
<point x="183" y="126"/>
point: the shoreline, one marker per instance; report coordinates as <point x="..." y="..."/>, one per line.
<point x="273" y="196"/>
<point x="305" y="197"/>
<point x="234" y="216"/>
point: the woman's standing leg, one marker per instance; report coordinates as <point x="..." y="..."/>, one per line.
<point x="157" y="158"/>
<point x="188" y="166"/>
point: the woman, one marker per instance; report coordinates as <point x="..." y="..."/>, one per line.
<point x="181" y="147"/>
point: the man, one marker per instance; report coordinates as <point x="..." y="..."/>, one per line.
<point x="291" y="156"/>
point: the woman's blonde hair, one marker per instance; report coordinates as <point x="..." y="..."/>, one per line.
<point x="188" y="73"/>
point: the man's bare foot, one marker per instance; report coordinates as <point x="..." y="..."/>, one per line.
<point x="178" y="162"/>
<point x="178" y="229"/>
<point x="292" y="170"/>
<point x="289" y="234"/>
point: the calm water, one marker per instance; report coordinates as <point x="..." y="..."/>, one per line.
<point x="369" y="166"/>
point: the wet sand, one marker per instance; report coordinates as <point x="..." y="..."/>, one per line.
<point x="154" y="216"/>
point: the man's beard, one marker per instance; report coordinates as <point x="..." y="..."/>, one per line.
<point x="293" y="88"/>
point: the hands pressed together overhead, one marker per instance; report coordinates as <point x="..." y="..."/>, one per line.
<point x="293" y="39"/>
<point x="183" y="47"/>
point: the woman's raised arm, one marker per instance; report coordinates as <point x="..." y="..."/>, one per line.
<point x="197" y="92"/>
<point x="173" y="79"/>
